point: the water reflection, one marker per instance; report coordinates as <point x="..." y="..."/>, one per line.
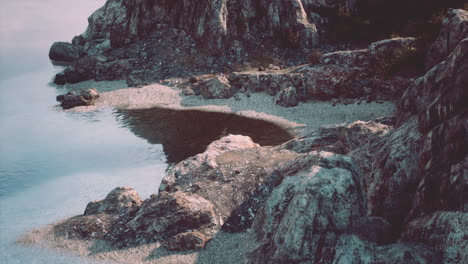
<point x="184" y="133"/>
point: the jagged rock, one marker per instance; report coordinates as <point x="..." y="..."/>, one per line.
<point x="390" y="169"/>
<point x="454" y="29"/>
<point x="186" y="241"/>
<point x="86" y="227"/>
<point x="121" y="200"/>
<point x="212" y="23"/>
<point x="360" y="133"/>
<point x="287" y="97"/>
<point x="391" y="54"/>
<point x="447" y="231"/>
<point x="217" y="87"/>
<point x="83" y="97"/>
<point x="312" y="214"/>
<point x="351" y="58"/>
<point x="168" y="214"/>
<point x="64" y="51"/>
<point x="439" y="100"/>
<point x="325" y="138"/>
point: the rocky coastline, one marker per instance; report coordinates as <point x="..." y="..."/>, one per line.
<point x="388" y="189"/>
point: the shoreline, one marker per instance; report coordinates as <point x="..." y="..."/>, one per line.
<point x="300" y="120"/>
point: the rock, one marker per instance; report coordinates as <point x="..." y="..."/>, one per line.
<point x="446" y="231"/>
<point x="60" y="78"/>
<point x="351" y="58"/>
<point x="81" y="70"/>
<point x="78" y="41"/>
<point x="391" y="55"/>
<point x="188" y="92"/>
<point x="86" y="227"/>
<point x="186" y="241"/>
<point x="317" y="214"/>
<point x="439" y="101"/>
<point x="193" y="79"/>
<point x="212" y="24"/>
<point x="287" y="97"/>
<point x="72" y="99"/>
<point x="407" y="253"/>
<point x="390" y="168"/>
<point x="206" y="159"/>
<point x="454" y="29"/>
<point x="63" y="51"/>
<point x="121" y="200"/>
<point x="168" y="214"/>
<point x="217" y="87"/>
<point x="329" y="81"/>
<point x="113" y="70"/>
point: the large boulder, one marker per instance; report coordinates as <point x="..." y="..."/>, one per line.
<point x="80" y="98"/>
<point x="217" y="87"/>
<point x="454" y="29"/>
<point x="168" y="214"/>
<point x="121" y="200"/>
<point x="390" y="167"/>
<point x="316" y="215"/>
<point x="64" y="51"/>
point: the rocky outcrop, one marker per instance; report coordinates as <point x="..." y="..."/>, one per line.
<point x="390" y="55"/>
<point x="446" y="231"/>
<point x="63" y="51"/>
<point x="454" y="29"/>
<point x="214" y="24"/>
<point x="83" y="97"/>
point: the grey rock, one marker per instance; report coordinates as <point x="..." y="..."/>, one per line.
<point x="67" y="52"/>
<point x="446" y="231"/>
<point x="217" y="87"/>
<point x="311" y="213"/>
<point x="121" y="200"/>
<point x="168" y="214"/>
<point x="454" y="29"/>
<point x="287" y="97"/>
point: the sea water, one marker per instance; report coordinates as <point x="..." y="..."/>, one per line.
<point x="52" y="163"/>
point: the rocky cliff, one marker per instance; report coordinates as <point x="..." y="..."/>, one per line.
<point x="391" y="190"/>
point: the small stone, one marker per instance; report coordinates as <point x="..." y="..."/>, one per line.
<point x="186" y="241"/>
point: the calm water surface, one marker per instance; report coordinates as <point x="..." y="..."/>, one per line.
<point x="52" y="163"/>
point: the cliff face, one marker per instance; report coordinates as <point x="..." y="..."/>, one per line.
<point x="214" y="24"/>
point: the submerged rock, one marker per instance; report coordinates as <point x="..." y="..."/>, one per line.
<point x="82" y="98"/>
